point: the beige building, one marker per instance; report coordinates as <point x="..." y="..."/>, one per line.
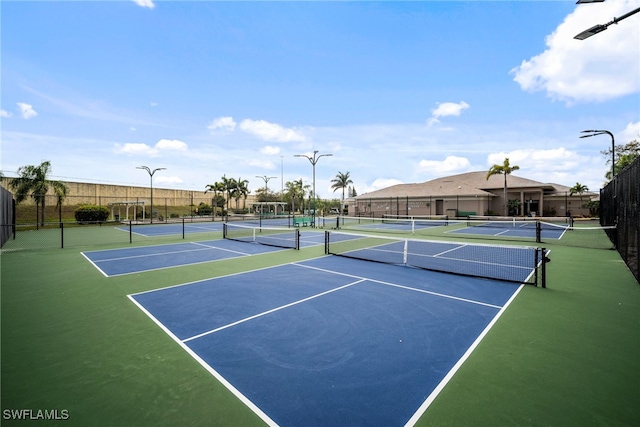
<point x="472" y="193"/>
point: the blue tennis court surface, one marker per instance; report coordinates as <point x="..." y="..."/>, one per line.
<point x="331" y="341"/>
<point x="115" y="262"/>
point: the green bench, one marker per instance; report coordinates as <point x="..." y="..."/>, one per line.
<point x="302" y="221"/>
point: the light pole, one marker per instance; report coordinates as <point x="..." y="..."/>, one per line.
<point x="282" y="175"/>
<point x="601" y="27"/>
<point x="266" y="186"/>
<point x="613" y="146"/>
<point x="151" y="172"/>
<point x="313" y="159"/>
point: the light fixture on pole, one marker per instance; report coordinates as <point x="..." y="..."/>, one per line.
<point x="151" y="172"/>
<point x="601" y="27"/>
<point x="313" y="159"/>
<point x="266" y="182"/>
<point x="613" y="146"/>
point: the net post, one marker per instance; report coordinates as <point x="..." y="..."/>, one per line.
<point x="130" y="231"/>
<point x="182" y="228"/>
<point x="326" y="242"/>
<point x="538" y="231"/>
<point x="224" y="230"/>
<point x="297" y="239"/>
<point x="544" y="268"/>
<point x="405" y="254"/>
<point x="61" y="235"/>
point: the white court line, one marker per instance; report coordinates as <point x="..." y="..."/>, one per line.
<point x="216" y="277"/>
<point x="255" y="408"/>
<point x="429" y="400"/>
<point x="94" y="264"/>
<point x="272" y="310"/>
<point x="450" y="250"/>
<point x="205" y="247"/>
<point x="222" y="249"/>
<point x="206" y="366"/>
<point x="382" y="282"/>
<point x="160" y="253"/>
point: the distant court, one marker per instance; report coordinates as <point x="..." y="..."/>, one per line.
<point x="115" y="262"/>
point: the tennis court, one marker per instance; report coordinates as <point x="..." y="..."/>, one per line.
<point x="331" y="340"/>
<point x="289" y="337"/>
<point x="116" y="262"/>
<point x="121" y="261"/>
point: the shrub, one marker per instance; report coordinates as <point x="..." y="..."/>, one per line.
<point x="91" y="213"/>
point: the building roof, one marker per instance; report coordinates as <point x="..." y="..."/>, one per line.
<point x="467" y="184"/>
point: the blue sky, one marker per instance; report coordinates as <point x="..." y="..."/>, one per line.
<point x="395" y="91"/>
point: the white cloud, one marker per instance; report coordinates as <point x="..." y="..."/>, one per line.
<point x="5" y="113"/>
<point x="552" y="160"/>
<point x="171" y="144"/>
<point x="222" y="123"/>
<point x="630" y="133"/>
<point x="271" y="131"/>
<point x="270" y="150"/>
<point x="133" y="148"/>
<point x="26" y="110"/>
<point x="446" y="109"/>
<point x="261" y="163"/>
<point x="136" y="148"/>
<point x="378" y="184"/>
<point x="599" y="68"/>
<point x="145" y="3"/>
<point x="450" y="164"/>
<point x="557" y="165"/>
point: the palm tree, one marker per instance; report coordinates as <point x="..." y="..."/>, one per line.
<point x="33" y="179"/>
<point x="228" y="185"/>
<point x="504" y="169"/>
<point x="578" y="189"/>
<point x="216" y="187"/>
<point x="241" y="190"/>
<point x="295" y="190"/>
<point x="341" y="181"/>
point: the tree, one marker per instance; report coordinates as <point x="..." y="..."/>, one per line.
<point x="578" y="189"/>
<point x="216" y="187"/>
<point x="625" y="155"/>
<point x="228" y="185"/>
<point x="341" y="181"/>
<point x="504" y="169"/>
<point x="32" y="181"/>
<point x="241" y="190"/>
<point x="295" y="190"/>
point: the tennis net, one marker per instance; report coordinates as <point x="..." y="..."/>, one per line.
<point x="391" y="224"/>
<point x="520" y="264"/>
<point x="270" y="236"/>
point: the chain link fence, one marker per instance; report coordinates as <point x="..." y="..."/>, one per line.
<point x="620" y="206"/>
